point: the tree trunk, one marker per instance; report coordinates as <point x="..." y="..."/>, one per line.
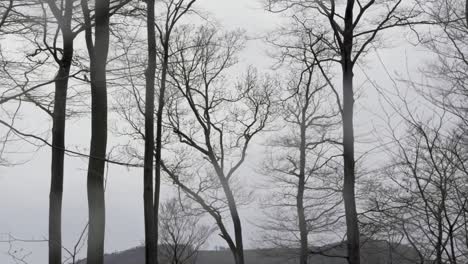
<point x="466" y="12"/>
<point x="150" y="234"/>
<point x="239" y="249"/>
<point x="349" y="170"/>
<point x="58" y="153"/>
<point x="215" y="214"/>
<point x="304" y="250"/>
<point x="58" y="138"/>
<point x="159" y="131"/>
<point x="440" y="238"/>
<point x="95" y="186"/>
<point x="349" y="197"/>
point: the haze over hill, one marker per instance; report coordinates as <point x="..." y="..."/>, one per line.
<point x="280" y="125"/>
<point x="373" y="252"/>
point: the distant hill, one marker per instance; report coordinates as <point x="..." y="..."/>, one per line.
<point x="373" y="252"/>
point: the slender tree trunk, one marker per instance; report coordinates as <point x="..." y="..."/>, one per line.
<point x="466" y="12"/>
<point x="440" y="238"/>
<point x="56" y="184"/>
<point x="58" y="139"/>
<point x="96" y="202"/>
<point x="58" y="153"/>
<point x="304" y="250"/>
<point x="239" y="248"/>
<point x="215" y="214"/>
<point x="349" y="197"/>
<point x="150" y="234"/>
<point x="349" y="171"/>
<point x="453" y="245"/>
<point x="159" y="131"/>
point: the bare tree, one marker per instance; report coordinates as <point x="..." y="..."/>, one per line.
<point x="159" y="26"/>
<point x="208" y="54"/>
<point x="151" y="238"/>
<point x="98" y="51"/>
<point x="305" y="196"/>
<point x="216" y="124"/>
<point x="182" y="233"/>
<point x="447" y="75"/>
<point x="174" y="10"/>
<point x="428" y="172"/>
<point x="31" y="19"/>
<point x="64" y="15"/>
<point x="424" y="196"/>
<point x="17" y="75"/>
<point x="62" y="56"/>
<point x="351" y="28"/>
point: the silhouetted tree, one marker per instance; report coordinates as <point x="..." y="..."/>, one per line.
<point x="182" y="233"/>
<point x="448" y="74"/>
<point x="174" y="10"/>
<point x="423" y="195"/>
<point x="348" y="29"/>
<point x="305" y="194"/>
<point x="98" y="52"/>
<point x="214" y="122"/>
<point x="151" y="238"/>
<point x="63" y="14"/>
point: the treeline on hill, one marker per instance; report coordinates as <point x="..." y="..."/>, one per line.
<point x="190" y="111"/>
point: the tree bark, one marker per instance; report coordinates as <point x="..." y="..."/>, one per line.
<point x="95" y="186"/>
<point x="352" y="227"/>
<point x="159" y="131"/>
<point x="239" y="248"/>
<point x="303" y="233"/>
<point x="170" y="23"/>
<point x="150" y="223"/>
<point x="440" y="237"/>
<point x="349" y="197"/>
<point x="58" y="137"/>
<point x="239" y="254"/>
<point x="466" y="12"/>
<point x="58" y="153"/>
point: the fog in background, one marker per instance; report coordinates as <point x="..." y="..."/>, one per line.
<point x="24" y="189"/>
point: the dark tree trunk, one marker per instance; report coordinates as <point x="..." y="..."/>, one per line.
<point x="440" y="238"/>
<point x="58" y="153"/>
<point x="239" y="248"/>
<point x="215" y="214"/>
<point x="95" y="186"/>
<point x="304" y="250"/>
<point x="159" y="131"/>
<point x="150" y="234"/>
<point x="466" y="12"/>
<point x="58" y="138"/>
<point x="349" y="171"/>
<point x="349" y="197"/>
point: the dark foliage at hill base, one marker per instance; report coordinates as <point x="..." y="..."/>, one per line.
<point x="374" y="252"/>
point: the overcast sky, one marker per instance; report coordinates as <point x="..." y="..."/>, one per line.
<point x="24" y="189"/>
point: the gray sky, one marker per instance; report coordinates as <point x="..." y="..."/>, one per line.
<point x="24" y="189"/>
